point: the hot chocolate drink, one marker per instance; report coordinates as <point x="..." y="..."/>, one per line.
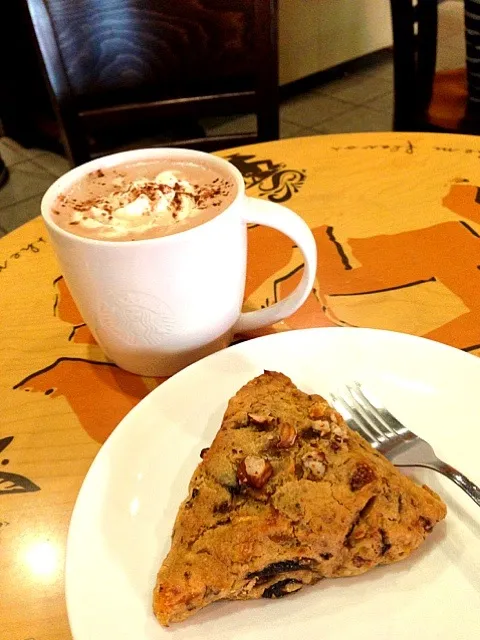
<point x="143" y="200"/>
<point x="156" y="293"/>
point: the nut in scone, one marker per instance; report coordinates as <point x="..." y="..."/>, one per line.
<point x="287" y="437"/>
<point x="315" y="463"/>
<point x="254" y="471"/>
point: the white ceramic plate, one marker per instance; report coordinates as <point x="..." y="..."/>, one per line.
<point x="121" y="525"/>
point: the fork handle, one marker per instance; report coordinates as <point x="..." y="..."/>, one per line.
<point x="462" y="481"/>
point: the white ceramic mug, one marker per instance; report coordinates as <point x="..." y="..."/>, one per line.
<point x="157" y="305"/>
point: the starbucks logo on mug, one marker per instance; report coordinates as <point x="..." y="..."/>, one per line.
<point x="135" y="317"/>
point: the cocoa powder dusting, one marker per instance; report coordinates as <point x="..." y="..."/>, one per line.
<point x="204" y="196"/>
<point x="159" y="203"/>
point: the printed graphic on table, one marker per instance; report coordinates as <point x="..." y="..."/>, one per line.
<point x="13" y="482"/>
<point x="397" y="226"/>
<point x="398" y="240"/>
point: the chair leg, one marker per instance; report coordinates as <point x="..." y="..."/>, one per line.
<point x="268" y="125"/>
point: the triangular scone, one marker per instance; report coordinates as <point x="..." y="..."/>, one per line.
<point x="287" y="494"/>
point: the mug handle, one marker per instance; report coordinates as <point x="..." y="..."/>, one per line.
<point x="278" y="217"/>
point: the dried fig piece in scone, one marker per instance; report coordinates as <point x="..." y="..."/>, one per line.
<point x="286" y="495"/>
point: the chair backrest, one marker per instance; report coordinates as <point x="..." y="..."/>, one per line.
<point x="414" y="28"/>
<point x="113" y="63"/>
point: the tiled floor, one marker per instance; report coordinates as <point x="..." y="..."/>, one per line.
<point x="360" y="101"/>
<point x="31" y="173"/>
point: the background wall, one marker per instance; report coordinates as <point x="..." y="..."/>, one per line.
<point x="317" y="34"/>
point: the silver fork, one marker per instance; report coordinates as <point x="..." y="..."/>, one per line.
<point x="389" y="436"/>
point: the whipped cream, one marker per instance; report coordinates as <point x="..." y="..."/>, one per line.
<point x="137" y="206"/>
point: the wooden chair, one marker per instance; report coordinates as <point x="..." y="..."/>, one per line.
<point x="122" y="71"/>
<point x="425" y="99"/>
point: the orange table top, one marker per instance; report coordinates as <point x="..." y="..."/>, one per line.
<point x="396" y="218"/>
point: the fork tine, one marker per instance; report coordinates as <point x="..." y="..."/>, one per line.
<point x="370" y="415"/>
<point x="355" y="420"/>
<point x="389" y="421"/>
<point x="372" y="411"/>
